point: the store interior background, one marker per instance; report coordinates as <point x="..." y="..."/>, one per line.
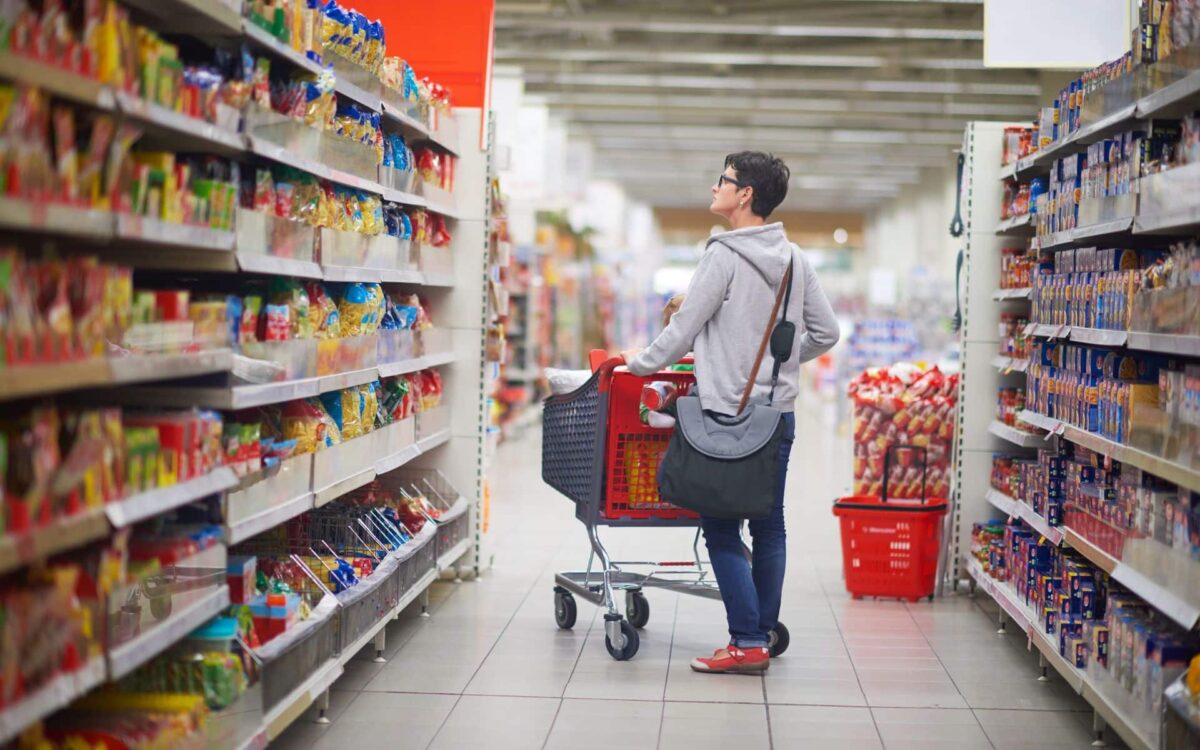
<point x="613" y="121"/>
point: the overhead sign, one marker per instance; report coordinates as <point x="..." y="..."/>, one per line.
<point x="1060" y="34"/>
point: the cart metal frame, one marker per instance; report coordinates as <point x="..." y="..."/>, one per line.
<point x="574" y="442"/>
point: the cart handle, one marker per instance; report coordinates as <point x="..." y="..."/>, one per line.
<point x="887" y="466"/>
<point x="598" y="360"/>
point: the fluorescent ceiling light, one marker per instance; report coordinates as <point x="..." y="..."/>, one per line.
<point x="798" y="84"/>
<point x="582" y="99"/>
<point x="718" y="57"/>
<point x="665" y="25"/>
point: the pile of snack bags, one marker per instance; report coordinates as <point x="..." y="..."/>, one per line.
<point x="903" y="405"/>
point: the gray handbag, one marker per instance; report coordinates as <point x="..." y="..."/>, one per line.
<point x="726" y="467"/>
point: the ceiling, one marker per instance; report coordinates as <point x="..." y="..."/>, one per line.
<point x="858" y="96"/>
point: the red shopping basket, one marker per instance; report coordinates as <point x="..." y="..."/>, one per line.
<point x="890" y="548"/>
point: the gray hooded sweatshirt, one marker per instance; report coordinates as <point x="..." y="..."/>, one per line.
<point x="725" y="314"/>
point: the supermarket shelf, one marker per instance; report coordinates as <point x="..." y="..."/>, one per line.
<point x="264" y="40"/>
<point x="279" y="718"/>
<point x="439" y="279"/>
<point x="129" y="656"/>
<point x="1003" y="503"/>
<point x="1021" y="293"/>
<point x="1167" y="343"/>
<point x="39" y="216"/>
<point x="270" y="264"/>
<point x="188" y="133"/>
<point x="416" y="364"/>
<point x="1175" y="222"/>
<point x="1099" y="695"/>
<point x="52" y="696"/>
<point x="193" y="16"/>
<point x="331" y="492"/>
<point x="135" y="228"/>
<point x="1010" y="364"/>
<point x="140" y="368"/>
<point x="1022" y="224"/>
<point x="396" y="460"/>
<point x="433" y="441"/>
<point x="1015" y="436"/>
<point x="352" y="273"/>
<point x="399" y="196"/>
<point x="402" y="118"/>
<point x="1094" y="554"/>
<point x="64" y="534"/>
<point x="344" y="380"/>
<point x="449" y="210"/>
<point x="1103" y="229"/>
<point x="56" y="81"/>
<point x="1098" y="336"/>
<point x="38" y="380"/>
<point x="1047" y="330"/>
<point x="155" y="502"/>
<point x="1020" y="509"/>
<point x="402" y="276"/>
<point x="247" y="396"/>
<point x="1182" y="611"/>
<point x="1157" y="465"/>
<point x="446" y="561"/>
<point x="268" y="519"/>
<point x="1166" y="101"/>
<point x="437" y="359"/>
<point x="351" y="90"/>
<point x="1009" y="171"/>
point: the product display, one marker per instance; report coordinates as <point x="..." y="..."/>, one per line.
<point x="132" y="150"/>
<point x="903" y="406"/>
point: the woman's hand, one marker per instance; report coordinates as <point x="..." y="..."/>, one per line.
<point x="629" y="354"/>
<point x="671" y="308"/>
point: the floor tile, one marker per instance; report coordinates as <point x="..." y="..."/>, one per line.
<point x="1009" y="730"/>
<point x="899" y="694"/>
<point x="388" y="720"/>
<point x="941" y="728"/>
<point x="701" y="726"/>
<point x="497" y="722"/>
<point x="824" y="726"/>
<point x="605" y="725"/>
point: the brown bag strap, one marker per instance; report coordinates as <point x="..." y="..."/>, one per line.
<point x="762" y="347"/>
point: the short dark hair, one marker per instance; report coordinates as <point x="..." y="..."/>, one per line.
<point x="766" y="173"/>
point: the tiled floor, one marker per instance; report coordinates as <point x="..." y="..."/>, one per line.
<point x="491" y="671"/>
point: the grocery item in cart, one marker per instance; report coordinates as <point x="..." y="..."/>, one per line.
<point x="904" y="404"/>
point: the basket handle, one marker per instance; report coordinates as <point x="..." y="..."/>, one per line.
<point x="887" y="469"/>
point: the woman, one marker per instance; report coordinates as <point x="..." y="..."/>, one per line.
<point x="721" y="319"/>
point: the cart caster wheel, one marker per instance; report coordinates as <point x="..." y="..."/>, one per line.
<point x="160" y="607"/>
<point x="780" y="640"/>
<point x="631" y="643"/>
<point x="637" y="609"/>
<point x="565" y="610"/>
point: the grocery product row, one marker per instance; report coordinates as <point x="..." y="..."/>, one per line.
<point x="1091" y="301"/>
<point x="292" y="604"/>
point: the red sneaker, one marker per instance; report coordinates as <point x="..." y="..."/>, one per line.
<point x="732" y="660"/>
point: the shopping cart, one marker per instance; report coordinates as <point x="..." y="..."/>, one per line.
<point x="597" y="452"/>
<point x="890" y="547"/>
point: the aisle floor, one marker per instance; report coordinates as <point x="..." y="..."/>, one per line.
<point x="489" y="670"/>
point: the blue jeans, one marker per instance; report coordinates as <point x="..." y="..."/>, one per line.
<point x="752" y="589"/>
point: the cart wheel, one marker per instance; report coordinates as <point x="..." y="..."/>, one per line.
<point x="631" y="643"/>
<point x="565" y="610"/>
<point x="637" y="609"/>
<point x="160" y="606"/>
<point x="780" y="640"/>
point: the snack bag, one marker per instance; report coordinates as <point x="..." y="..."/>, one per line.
<point x="355" y="309"/>
<point x="323" y="312"/>
<point x="309" y="425"/>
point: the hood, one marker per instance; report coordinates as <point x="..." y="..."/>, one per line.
<point x="766" y="248"/>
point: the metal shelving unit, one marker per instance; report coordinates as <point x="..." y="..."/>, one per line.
<point x="452" y="443"/>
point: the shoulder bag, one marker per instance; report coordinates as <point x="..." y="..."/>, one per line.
<point x="726" y="467"/>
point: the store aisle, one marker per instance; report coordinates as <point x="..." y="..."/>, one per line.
<point x="491" y="671"/>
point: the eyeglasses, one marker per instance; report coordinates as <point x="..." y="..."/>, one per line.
<point x="724" y="178"/>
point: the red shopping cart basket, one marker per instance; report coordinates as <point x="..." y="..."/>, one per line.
<point x="890" y="547"/>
